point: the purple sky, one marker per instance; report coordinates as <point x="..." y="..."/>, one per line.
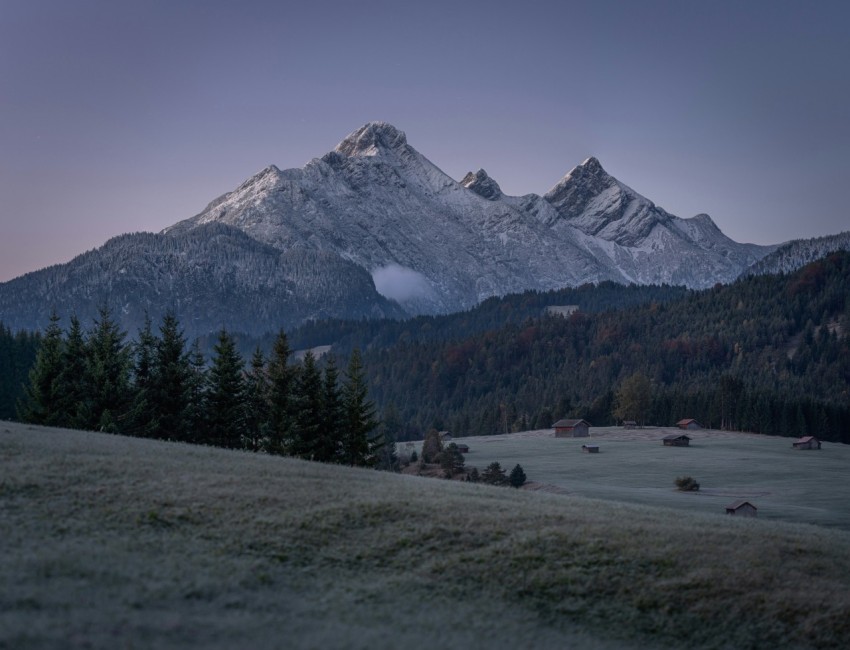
<point x="119" y="116"/>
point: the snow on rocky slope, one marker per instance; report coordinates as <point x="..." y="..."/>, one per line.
<point x="378" y="202"/>
<point x="373" y="228"/>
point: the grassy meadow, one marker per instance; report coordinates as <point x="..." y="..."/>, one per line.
<point x="634" y="467"/>
<point x="113" y="542"/>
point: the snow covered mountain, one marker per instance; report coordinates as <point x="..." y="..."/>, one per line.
<point x="373" y="228"/>
<point x="435" y="244"/>
<point x="799" y="252"/>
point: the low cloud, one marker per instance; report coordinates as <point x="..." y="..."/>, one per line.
<point x="401" y="284"/>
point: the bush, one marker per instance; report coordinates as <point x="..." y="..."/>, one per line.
<point x="517" y="477"/>
<point x="687" y="484"/>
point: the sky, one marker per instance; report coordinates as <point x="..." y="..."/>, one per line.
<point x="121" y="116"/>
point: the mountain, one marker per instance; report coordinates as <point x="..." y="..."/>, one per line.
<point x="373" y="228"/>
<point x="799" y="252"/>
<point x="214" y="276"/>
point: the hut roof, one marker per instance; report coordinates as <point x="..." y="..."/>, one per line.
<point x="686" y="421"/>
<point x="739" y="503"/>
<point x="806" y="439"/>
<point x="569" y="423"/>
<point x="676" y="436"/>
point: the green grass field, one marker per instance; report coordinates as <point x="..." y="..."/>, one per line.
<point x="113" y="542"/>
<point x="634" y="467"/>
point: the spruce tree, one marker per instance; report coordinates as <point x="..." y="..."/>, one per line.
<point x="196" y="395"/>
<point x="226" y="395"/>
<point x="306" y="436"/>
<point x="257" y="402"/>
<point x="329" y="443"/>
<point x="170" y="381"/>
<point x="517" y="477"/>
<point x="107" y="377"/>
<point x="145" y="421"/>
<point x="281" y="379"/>
<point x="72" y="388"/>
<point x="41" y="401"/>
<point x="358" y="447"/>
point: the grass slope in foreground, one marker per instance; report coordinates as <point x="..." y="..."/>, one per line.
<point x="118" y="542"/>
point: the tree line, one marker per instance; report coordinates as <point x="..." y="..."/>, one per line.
<point x="160" y="387"/>
<point x="769" y="354"/>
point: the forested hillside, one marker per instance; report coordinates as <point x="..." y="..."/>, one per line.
<point x="769" y="354"/>
<point x="17" y="354"/>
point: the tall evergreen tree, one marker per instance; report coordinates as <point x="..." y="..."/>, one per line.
<point x="107" y="376"/>
<point x="169" y="382"/>
<point x="226" y="395"/>
<point x="329" y="442"/>
<point x="196" y="395"/>
<point x="257" y="402"/>
<point x="306" y="436"/>
<point x="281" y="385"/>
<point x="359" y="447"/>
<point x="145" y="420"/>
<point x="72" y="387"/>
<point x="41" y="401"/>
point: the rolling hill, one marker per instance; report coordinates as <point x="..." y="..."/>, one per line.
<point x="117" y="542"/>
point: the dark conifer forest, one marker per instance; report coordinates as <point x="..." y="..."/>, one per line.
<point x="767" y="354"/>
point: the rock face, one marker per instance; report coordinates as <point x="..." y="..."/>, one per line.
<point x="373" y="228"/>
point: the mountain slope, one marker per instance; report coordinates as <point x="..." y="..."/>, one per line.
<point x="212" y="277"/>
<point x="799" y="252"/>
<point x="374" y="206"/>
<point x="377" y="201"/>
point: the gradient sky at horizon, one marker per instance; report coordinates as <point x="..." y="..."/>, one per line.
<point x="120" y="116"/>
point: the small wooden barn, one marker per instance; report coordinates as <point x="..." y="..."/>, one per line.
<point x="676" y="440"/>
<point x="629" y="424"/>
<point x="590" y="449"/>
<point x="445" y="437"/>
<point x="806" y="442"/>
<point x="688" y="423"/>
<point x="462" y="448"/>
<point x="572" y="429"/>
<point x="742" y="509"/>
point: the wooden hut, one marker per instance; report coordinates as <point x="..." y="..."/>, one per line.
<point x="806" y="442"/>
<point x="590" y="449"/>
<point x="572" y="429"/>
<point x="629" y="424"/>
<point x="674" y="440"/>
<point x="742" y="509"/>
<point x="688" y="423"/>
<point x="462" y="448"/>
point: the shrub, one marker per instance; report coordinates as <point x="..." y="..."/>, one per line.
<point x="687" y="484"/>
<point x="517" y="477"/>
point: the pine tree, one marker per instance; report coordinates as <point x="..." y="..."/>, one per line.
<point x="226" y="397"/>
<point x="306" y="436"/>
<point x="257" y="402"/>
<point x="72" y="389"/>
<point x="281" y="380"/>
<point x="494" y="474"/>
<point x="107" y="377"/>
<point x="170" y="381"/>
<point x="41" y="401"/>
<point x="145" y="421"/>
<point x="329" y="442"/>
<point x="196" y="395"/>
<point x="358" y="447"/>
<point x="517" y="477"/>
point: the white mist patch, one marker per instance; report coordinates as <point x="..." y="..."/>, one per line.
<point x="401" y="284"/>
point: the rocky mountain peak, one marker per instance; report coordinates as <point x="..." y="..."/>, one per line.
<point x="371" y="138"/>
<point x="484" y="186"/>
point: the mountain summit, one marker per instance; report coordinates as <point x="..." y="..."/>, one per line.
<point x="373" y="228"/>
